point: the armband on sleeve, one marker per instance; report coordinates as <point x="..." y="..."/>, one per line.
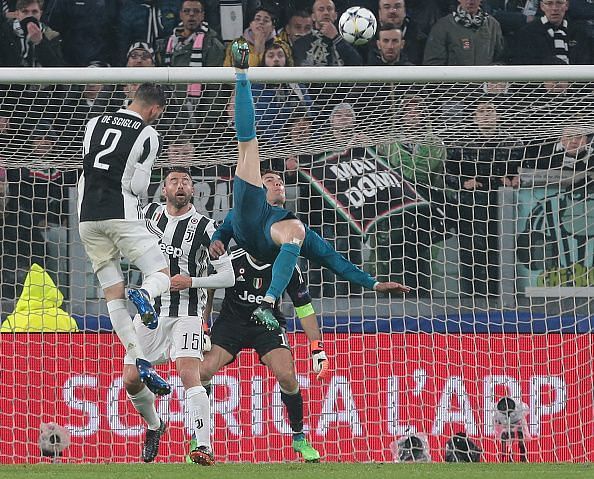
<point x="305" y="310"/>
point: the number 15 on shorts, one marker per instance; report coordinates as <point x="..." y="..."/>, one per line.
<point x="192" y="341"/>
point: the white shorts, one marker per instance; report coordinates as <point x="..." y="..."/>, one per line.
<point x="108" y="240"/>
<point x="174" y="338"/>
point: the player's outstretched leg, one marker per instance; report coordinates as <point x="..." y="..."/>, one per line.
<point x="152" y="440"/>
<point x="318" y="250"/>
<point x="151" y="378"/>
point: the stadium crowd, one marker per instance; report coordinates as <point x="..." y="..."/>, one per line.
<point x="459" y="181"/>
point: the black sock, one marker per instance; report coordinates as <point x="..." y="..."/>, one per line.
<point x="294" y="405"/>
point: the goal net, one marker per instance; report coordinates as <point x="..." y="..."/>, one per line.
<point x="472" y="187"/>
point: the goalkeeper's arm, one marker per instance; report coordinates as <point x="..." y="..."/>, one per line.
<point x="297" y="290"/>
<point x="309" y="323"/>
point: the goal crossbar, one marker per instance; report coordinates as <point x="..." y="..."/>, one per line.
<point x="401" y="74"/>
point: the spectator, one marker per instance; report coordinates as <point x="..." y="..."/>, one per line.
<point x="274" y="103"/>
<point x="194" y="44"/>
<point x="551" y="39"/>
<point x="259" y="34"/>
<point x="87" y="30"/>
<point x="22" y="245"/>
<point x="300" y="24"/>
<point x="41" y="193"/>
<point x="114" y="97"/>
<point x="572" y="150"/>
<point x="394" y="12"/>
<point x="26" y="41"/>
<point x="424" y="13"/>
<point x="467" y="37"/>
<point x="76" y="110"/>
<point x="404" y="240"/>
<point x="389" y="47"/>
<point x="475" y="172"/>
<point x="145" y="21"/>
<point x="511" y="14"/>
<point x="324" y="46"/>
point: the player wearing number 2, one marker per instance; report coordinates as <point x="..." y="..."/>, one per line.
<point x="119" y="150"/>
<point x="184" y="236"/>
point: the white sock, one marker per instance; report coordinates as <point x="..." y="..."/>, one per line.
<point x="124" y="328"/>
<point x="156" y="284"/>
<point x="144" y="403"/>
<point x="199" y="407"/>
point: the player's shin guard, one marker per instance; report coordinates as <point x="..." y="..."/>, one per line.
<point x="156" y="284"/>
<point x="124" y="328"/>
<point x="144" y="403"/>
<point x="199" y="407"/>
<point x="282" y="270"/>
<point x="293" y="401"/>
<point x="245" y="117"/>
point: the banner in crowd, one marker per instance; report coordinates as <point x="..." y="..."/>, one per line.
<point x="382" y="386"/>
<point x="360" y="185"/>
<point x="555" y="236"/>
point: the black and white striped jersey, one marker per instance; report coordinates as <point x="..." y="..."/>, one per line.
<point x="184" y="240"/>
<point x="112" y="147"/>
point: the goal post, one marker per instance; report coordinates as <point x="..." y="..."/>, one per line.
<point x="472" y="185"/>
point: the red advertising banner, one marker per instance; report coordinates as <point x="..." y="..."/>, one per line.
<point x="382" y="387"/>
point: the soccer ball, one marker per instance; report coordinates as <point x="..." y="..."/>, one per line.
<point x="357" y="25"/>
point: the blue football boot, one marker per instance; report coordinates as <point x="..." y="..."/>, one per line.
<point x="147" y="312"/>
<point x="151" y="378"/>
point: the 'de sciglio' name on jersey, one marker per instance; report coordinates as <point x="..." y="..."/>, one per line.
<point x="120" y="121"/>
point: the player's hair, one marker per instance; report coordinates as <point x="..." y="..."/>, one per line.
<point x="20" y="4"/>
<point x="265" y="171"/>
<point x="176" y="169"/>
<point x="151" y="94"/>
<point x="385" y="27"/>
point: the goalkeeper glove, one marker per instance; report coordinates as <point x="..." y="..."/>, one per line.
<point x="320" y="360"/>
<point x="206" y="344"/>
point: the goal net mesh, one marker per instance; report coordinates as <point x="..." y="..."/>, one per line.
<point x="477" y="195"/>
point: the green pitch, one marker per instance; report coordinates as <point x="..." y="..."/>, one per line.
<point x="299" y="471"/>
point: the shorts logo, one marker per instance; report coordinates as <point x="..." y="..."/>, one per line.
<point x="258" y="283"/>
<point x="199" y="423"/>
